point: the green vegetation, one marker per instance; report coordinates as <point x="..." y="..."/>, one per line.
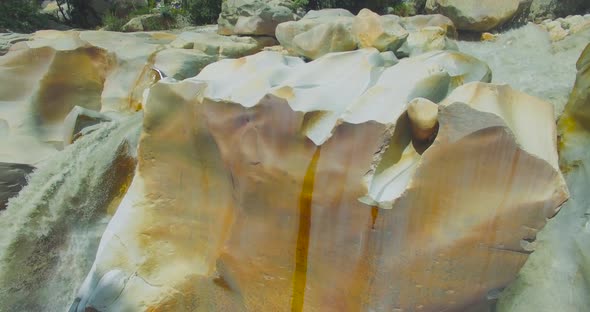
<point x="24" y="16"/>
<point x="21" y="16"/>
<point x="172" y="14"/>
<point x="202" y="11"/>
<point x="402" y="9"/>
<point x="112" y="22"/>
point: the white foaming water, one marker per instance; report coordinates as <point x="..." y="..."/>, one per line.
<point x="526" y="59"/>
<point x="50" y="232"/>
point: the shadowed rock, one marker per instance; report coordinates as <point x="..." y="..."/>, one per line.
<point x="13" y="177"/>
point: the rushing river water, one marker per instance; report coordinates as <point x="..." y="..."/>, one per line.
<point x="527" y="60"/>
<point x="49" y="234"/>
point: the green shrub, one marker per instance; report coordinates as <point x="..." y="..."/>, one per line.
<point x="113" y="22"/>
<point x="402" y="9"/>
<point x="202" y="11"/>
<point x="22" y="16"/>
<point x="300" y="4"/>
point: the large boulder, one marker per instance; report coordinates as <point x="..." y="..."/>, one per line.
<point x="381" y="32"/>
<point x="478" y="16"/>
<point x="418" y="22"/>
<point x="222" y="46"/>
<point x="249" y="178"/>
<point x="432" y="38"/>
<point x="317" y="34"/>
<point x="337" y="30"/>
<point x="254" y="17"/>
<point x="577" y="110"/>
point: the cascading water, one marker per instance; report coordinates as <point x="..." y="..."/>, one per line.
<point x="526" y="59"/>
<point x="49" y="234"/>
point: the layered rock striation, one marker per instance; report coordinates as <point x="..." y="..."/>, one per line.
<point x="263" y="179"/>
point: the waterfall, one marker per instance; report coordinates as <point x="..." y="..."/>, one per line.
<point x="50" y="232"/>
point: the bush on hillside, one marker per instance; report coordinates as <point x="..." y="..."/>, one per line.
<point x="202" y="11"/>
<point x="21" y="16"/>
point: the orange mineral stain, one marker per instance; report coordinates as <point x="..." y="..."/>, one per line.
<point x="302" y="247"/>
<point x="374" y="215"/>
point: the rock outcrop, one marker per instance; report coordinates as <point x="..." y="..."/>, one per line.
<point x="419" y="22"/>
<point x="254" y="17"/>
<point x="327" y="31"/>
<point x="250" y="174"/>
<point x="112" y="70"/>
<point x="381" y="32"/>
<point x="425" y="40"/>
<point x="222" y="46"/>
<point x="478" y="16"/>
<point x="8" y="39"/>
<point x="318" y="33"/>
<point x="577" y="110"/>
<point x="80" y="119"/>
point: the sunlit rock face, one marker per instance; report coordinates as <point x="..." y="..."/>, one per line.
<point x="418" y="22"/>
<point x="381" y="32"/>
<point x="557" y="275"/>
<point x="43" y="79"/>
<point x="253" y="180"/>
<point x="254" y="17"/>
<point x="480" y="15"/>
<point x="431" y="38"/>
<point x="325" y="31"/>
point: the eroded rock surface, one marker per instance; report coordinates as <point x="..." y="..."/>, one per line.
<point x="250" y="174"/>
<point x="45" y="78"/>
<point x="254" y="17"/>
<point x="8" y="39"/>
<point x="480" y="15"/>
<point x="325" y="31"/>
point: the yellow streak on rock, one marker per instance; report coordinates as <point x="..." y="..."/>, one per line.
<point x="302" y="247"/>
